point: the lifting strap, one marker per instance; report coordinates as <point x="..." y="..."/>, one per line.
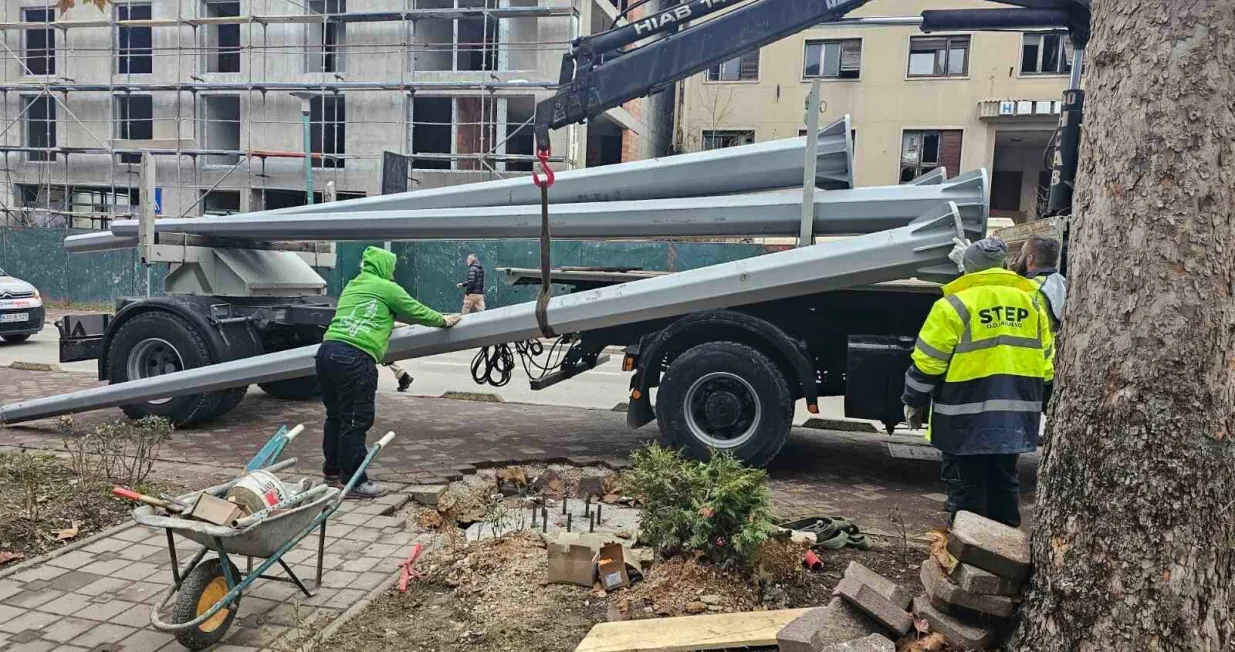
<point x="546" y="288"/>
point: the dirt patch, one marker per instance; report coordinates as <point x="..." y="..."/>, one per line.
<point x="45" y="505"/>
<point x="488" y="596"/>
<point x="491" y="596"/>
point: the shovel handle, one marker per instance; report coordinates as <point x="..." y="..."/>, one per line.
<point x="149" y="500"/>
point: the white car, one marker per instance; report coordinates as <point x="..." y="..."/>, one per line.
<point x="21" y="309"/>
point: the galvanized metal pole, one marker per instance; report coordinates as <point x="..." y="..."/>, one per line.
<point x="806" y="232"/>
<point x="837" y="212"/>
<point x="146" y="237"/>
<point x="917" y="250"/>
<point x="308" y="152"/>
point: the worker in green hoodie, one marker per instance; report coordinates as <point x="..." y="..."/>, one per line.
<point x="347" y="362"/>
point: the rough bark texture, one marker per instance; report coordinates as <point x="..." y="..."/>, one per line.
<point x="1135" y="522"/>
<point x="1135" y="526"/>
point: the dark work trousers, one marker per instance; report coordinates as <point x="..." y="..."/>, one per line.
<point x="348" y="378"/>
<point x="983" y="484"/>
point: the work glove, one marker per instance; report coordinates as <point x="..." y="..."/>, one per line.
<point x="451" y="320"/>
<point x="958" y="253"/>
<point x="913" y="417"/>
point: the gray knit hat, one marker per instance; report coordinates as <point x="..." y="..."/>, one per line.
<point x="985" y="254"/>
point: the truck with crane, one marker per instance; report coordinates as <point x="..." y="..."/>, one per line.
<point x="729" y="348"/>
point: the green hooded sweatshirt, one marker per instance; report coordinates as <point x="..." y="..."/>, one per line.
<point x="370" y="303"/>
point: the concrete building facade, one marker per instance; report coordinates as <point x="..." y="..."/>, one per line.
<point x="216" y="90"/>
<point x="962" y="100"/>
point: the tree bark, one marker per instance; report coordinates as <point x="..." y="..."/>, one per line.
<point x="1134" y="541"/>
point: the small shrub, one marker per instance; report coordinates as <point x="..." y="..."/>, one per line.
<point x="121" y="451"/>
<point x="718" y="509"/>
<point x="28" y="473"/>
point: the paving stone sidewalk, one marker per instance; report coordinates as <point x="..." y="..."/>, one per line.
<point x="98" y="597"/>
<point x="818" y="472"/>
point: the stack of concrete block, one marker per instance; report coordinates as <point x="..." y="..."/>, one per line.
<point x="971" y="603"/>
<point x="867" y="609"/>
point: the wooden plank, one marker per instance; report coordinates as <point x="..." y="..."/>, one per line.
<point x="686" y="633"/>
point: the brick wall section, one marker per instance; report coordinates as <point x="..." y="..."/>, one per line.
<point x="630" y="139"/>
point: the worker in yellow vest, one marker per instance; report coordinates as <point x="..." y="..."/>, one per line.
<point x="980" y="366"/>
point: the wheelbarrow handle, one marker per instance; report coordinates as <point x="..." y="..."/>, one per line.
<point x="381" y="443"/>
<point x="291" y="434"/>
<point x="364" y="464"/>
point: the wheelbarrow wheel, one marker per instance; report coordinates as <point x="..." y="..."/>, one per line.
<point x="202" y="588"/>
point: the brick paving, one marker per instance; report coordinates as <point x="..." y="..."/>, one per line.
<point x="99" y="596"/>
<point x="818" y="472"/>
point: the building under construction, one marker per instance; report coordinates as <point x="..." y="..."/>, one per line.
<point x="232" y="96"/>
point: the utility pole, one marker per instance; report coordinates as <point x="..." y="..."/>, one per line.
<point x="806" y="234"/>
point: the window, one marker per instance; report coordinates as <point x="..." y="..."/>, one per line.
<point x="1046" y="54"/>
<point x="135" y="55"/>
<point x="327" y="130"/>
<point x="40" y="55"/>
<point x="833" y="59"/>
<point x="743" y="68"/>
<point x="222" y="40"/>
<point x="40" y="126"/>
<point x="220" y="202"/>
<point x="938" y="56"/>
<point x="134" y="119"/>
<point x="431" y="121"/>
<point x="220" y="128"/>
<point x="325" y="39"/>
<point x="923" y="151"/>
<point x="718" y="139"/>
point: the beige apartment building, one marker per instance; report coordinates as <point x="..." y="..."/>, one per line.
<point x="918" y="101"/>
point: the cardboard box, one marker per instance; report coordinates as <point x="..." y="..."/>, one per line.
<point x="611" y="567"/>
<point x="571" y="563"/>
<point x="212" y="509"/>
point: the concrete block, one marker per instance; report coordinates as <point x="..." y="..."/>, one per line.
<point x="836" y="623"/>
<point x="870" y="602"/>
<point x="975" y="580"/>
<point x="947" y="596"/>
<point x="882" y="585"/>
<point x="427" y="494"/>
<point x="592" y="484"/>
<point x="797" y="635"/>
<point x="991" y="546"/>
<point x="956" y="632"/>
<point x="872" y="643"/>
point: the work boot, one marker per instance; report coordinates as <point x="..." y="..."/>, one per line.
<point x="367" y="490"/>
<point x="405" y="381"/>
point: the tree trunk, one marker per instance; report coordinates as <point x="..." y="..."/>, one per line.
<point x="1134" y="540"/>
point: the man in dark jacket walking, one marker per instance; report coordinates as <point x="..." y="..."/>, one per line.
<point x="474" y="286"/>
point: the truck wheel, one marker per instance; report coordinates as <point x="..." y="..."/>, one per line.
<point x="228" y="400"/>
<point x="156" y="343"/>
<point x="725" y="396"/>
<point x="293" y="388"/>
<point x="16" y="339"/>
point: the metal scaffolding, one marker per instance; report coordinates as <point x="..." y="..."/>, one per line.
<point x="475" y="67"/>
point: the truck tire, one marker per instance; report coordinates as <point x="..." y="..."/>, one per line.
<point x="725" y="396"/>
<point x="228" y="400"/>
<point x="152" y="344"/>
<point x="16" y="339"/>
<point x="293" y="389"/>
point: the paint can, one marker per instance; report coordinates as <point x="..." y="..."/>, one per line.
<point x="258" y="491"/>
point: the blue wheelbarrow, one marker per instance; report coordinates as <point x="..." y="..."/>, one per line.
<point x="207" y="592"/>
